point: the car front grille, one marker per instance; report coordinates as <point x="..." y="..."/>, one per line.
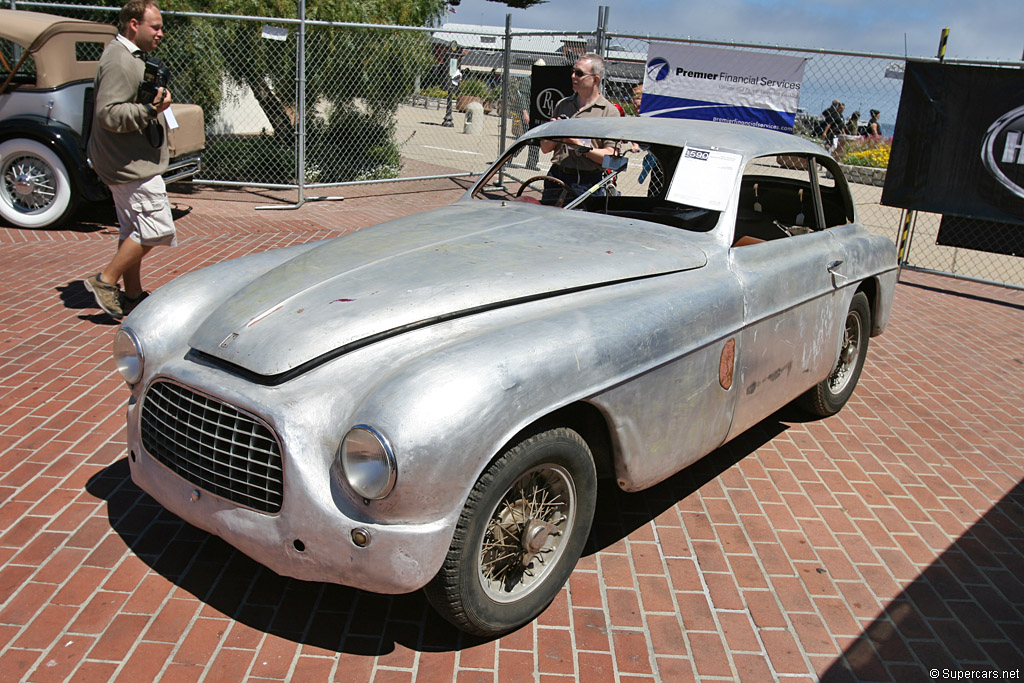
<point x="213" y="445"/>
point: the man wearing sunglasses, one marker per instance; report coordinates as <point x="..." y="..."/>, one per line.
<point x="575" y="162"/>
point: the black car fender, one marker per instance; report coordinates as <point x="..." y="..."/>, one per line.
<point x="66" y="144"/>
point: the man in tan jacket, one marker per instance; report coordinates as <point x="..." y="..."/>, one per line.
<point x="128" y="150"/>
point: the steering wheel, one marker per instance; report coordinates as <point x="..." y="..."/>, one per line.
<point x="534" y="179"/>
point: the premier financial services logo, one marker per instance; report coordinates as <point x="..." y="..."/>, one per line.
<point x="657" y="69"/>
<point x="1003" y="150"/>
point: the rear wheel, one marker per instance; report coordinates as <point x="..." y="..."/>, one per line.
<point x="519" y="536"/>
<point x="35" y="188"/>
<point x="830" y="395"/>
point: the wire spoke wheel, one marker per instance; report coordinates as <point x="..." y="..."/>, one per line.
<point x="29" y="184"/>
<point x="830" y="395"/>
<point x="524" y="536"/>
<point x="848" y="354"/>
<point x="35" y="188"/>
<point x="520" y="533"/>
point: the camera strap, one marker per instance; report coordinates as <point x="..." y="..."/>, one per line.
<point x="155" y="134"/>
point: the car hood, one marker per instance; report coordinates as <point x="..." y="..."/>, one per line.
<point x="433" y="266"/>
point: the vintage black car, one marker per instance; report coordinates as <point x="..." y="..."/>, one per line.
<point x="47" y="67"/>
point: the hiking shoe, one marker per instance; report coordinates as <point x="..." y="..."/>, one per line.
<point x="128" y="304"/>
<point x="108" y="297"/>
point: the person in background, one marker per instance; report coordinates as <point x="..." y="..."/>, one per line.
<point x="833" y="117"/>
<point x="853" y="124"/>
<point x="874" y="130"/>
<point x="649" y="163"/>
<point x="128" y="150"/>
<point x="578" y="163"/>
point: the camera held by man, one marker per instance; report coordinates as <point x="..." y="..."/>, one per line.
<point x="156" y="76"/>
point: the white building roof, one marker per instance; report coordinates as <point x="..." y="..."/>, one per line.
<point x="476" y="37"/>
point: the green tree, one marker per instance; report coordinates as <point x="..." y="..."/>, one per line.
<point x="355" y="78"/>
<point x="342" y="64"/>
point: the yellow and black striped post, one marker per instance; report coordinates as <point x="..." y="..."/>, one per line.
<point x="903" y="248"/>
<point x="942" y="43"/>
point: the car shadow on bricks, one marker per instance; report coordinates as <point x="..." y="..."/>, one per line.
<point x="619" y="513"/>
<point x="332" y="617"/>
<point x="339" y="618"/>
<point x="963" y="614"/>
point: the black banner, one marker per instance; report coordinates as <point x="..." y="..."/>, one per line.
<point x="958" y="147"/>
<point x="990" y="236"/>
<point x="548" y="84"/>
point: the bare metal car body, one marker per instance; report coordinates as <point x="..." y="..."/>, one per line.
<point x="455" y="334"/>
<point x="46" y="105"/>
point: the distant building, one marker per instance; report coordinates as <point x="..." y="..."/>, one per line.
<point x="481" y="51"/>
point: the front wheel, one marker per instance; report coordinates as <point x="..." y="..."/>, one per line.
<point x="829" y="396"/>
<point x="519" y="536"/>
<point x="35" y="188"/>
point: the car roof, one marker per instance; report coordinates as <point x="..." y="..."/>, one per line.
<point x="750" y="141"/>
<point x="31" y="30"/>
<point x="51" y="42"/>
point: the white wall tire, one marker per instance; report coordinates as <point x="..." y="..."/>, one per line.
<point x="35" y="188"/>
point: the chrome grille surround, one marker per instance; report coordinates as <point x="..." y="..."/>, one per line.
<point x="216" y="446"/>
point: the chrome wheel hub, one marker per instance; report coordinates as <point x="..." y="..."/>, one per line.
<point x="29" y="184"/>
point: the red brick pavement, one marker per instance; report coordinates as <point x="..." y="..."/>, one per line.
<point x="876" y="544"/>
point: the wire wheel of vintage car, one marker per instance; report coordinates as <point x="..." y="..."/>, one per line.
<point x="36" y="190"/>
<point x="524" y="536"/>
<point x="829" y="396"/>
<point x="519" y="536"/>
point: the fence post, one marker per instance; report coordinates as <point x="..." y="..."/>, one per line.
<point x="300" y="128"/>
<point x="300" y="132"/>
<point x="602" y="38"/>
<point x="507" y="73"/>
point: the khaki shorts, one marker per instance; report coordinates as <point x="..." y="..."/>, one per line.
<point x="144" y="212"/>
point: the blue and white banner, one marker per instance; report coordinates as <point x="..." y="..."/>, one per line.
<point x="714" y="84"/>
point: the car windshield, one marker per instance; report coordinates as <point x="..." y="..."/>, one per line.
<point x="637" y="181"/>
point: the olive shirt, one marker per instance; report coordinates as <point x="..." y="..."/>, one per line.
<point x="563" y="156"/>
<point x="118" y="145"/>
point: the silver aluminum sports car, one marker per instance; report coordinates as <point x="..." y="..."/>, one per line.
<point x="428" y="403"/>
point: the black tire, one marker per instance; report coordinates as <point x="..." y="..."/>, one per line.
<point x="829" y="396"/>
<point x="35" y="188"/>
<point x="519" y="536"/>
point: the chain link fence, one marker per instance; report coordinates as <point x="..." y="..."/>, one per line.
<point x="304" y="105"/>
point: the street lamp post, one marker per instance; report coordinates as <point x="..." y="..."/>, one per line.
<point x="454" y="78"/>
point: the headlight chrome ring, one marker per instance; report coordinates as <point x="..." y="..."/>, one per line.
<point x="128" y="355"/>
<point x="367" y="462"/>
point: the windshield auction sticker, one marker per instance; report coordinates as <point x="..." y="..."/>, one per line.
<point x="704" y="178"/>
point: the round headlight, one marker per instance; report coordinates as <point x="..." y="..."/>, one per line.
<point x="128" y="355"/>
<point x="368" y="463"/>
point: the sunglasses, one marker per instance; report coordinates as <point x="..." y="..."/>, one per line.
<point x="580" y="74"/>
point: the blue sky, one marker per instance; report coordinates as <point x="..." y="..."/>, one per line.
<point x="979" y="29"/>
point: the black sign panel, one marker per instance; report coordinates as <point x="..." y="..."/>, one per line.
<point x="958" y="147"/>
<point x="990" y="236"/>
<point x="548" y="84"/>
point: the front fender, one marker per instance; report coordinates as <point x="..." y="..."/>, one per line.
<point x="66" y="144"/>
<point x="449" y="408"/>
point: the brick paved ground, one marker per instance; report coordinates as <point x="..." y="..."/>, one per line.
<point x="875" y="544"/>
